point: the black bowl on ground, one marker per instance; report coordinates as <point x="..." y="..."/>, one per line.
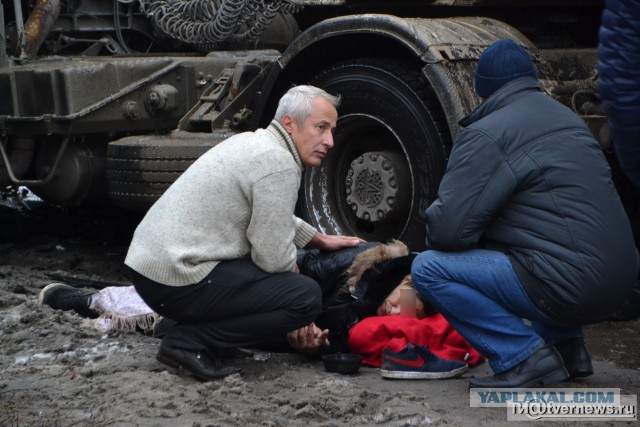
<point x="342" y="363"/>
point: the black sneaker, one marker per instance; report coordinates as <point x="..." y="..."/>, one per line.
<point x="64" y="297"/>
<point x="417" y="362"/>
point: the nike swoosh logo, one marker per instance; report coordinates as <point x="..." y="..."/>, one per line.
<point x="413" y="363"/>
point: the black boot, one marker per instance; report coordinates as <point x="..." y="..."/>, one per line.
<point x="198" y="363"/>
<point x="544" y="367"/>
<point x="64" y="297"/>
<point x="576" y="357"/>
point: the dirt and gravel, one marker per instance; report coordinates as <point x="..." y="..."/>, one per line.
<point x="57" y="371"/>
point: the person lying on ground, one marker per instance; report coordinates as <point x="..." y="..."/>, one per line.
<point x="121" y="307"/>
<point x="367" y="311"/>
<point x="359" y="285"/>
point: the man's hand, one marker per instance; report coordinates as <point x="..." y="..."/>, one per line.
<point x="331" y="243"/>
<point x="308" y="339"/>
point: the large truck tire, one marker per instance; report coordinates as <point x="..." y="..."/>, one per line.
<point x="389" y="155"/>
<point x="141" y="168"/>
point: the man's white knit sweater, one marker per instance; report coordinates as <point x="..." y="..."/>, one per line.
<point x="236" y="201"/>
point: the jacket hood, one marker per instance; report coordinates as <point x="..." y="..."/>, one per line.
<point x="367" y="259"/>
<point x="375" y="273"/>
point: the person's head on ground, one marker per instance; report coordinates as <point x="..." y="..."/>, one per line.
<point x="392" y="304"/>
<point x="309" y="115"/>
<point x="501" y="63"/>
<point x="379" y="281"/>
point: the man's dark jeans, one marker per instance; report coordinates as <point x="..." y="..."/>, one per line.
<point x="236" y="305"/>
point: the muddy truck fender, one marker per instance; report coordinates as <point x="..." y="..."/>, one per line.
<point x="404" y="85"/>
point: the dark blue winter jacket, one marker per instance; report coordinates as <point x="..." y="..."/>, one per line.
<point x="526" y="177"/>
<point x="619" y="80"/>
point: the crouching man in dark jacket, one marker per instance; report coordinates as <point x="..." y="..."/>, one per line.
<point x="527" y="225"/>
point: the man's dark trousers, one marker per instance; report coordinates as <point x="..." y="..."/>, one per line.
<point x="237" y="304"/>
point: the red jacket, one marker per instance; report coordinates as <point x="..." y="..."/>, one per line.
<point x="372" y="335"/>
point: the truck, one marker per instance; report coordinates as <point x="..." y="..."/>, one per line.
<point x="110" y="101"/>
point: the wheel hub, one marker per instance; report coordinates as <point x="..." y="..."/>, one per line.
<point x="372" y="185"/>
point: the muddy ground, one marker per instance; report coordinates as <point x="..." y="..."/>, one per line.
<point x="56" y="371"/>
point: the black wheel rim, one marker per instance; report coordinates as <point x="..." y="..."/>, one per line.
<point x="355" y="190"/>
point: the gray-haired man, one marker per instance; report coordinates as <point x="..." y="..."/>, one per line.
<point x="217" y="252"/>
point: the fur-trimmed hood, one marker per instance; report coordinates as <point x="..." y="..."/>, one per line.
<point x="367" y="259"/>
<point x="375" y="273"/>
<point x="361" y="276"/>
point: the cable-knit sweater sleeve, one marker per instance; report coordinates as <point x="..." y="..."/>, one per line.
<point x="272" y="228"/>
<point x="304" y="233"/>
